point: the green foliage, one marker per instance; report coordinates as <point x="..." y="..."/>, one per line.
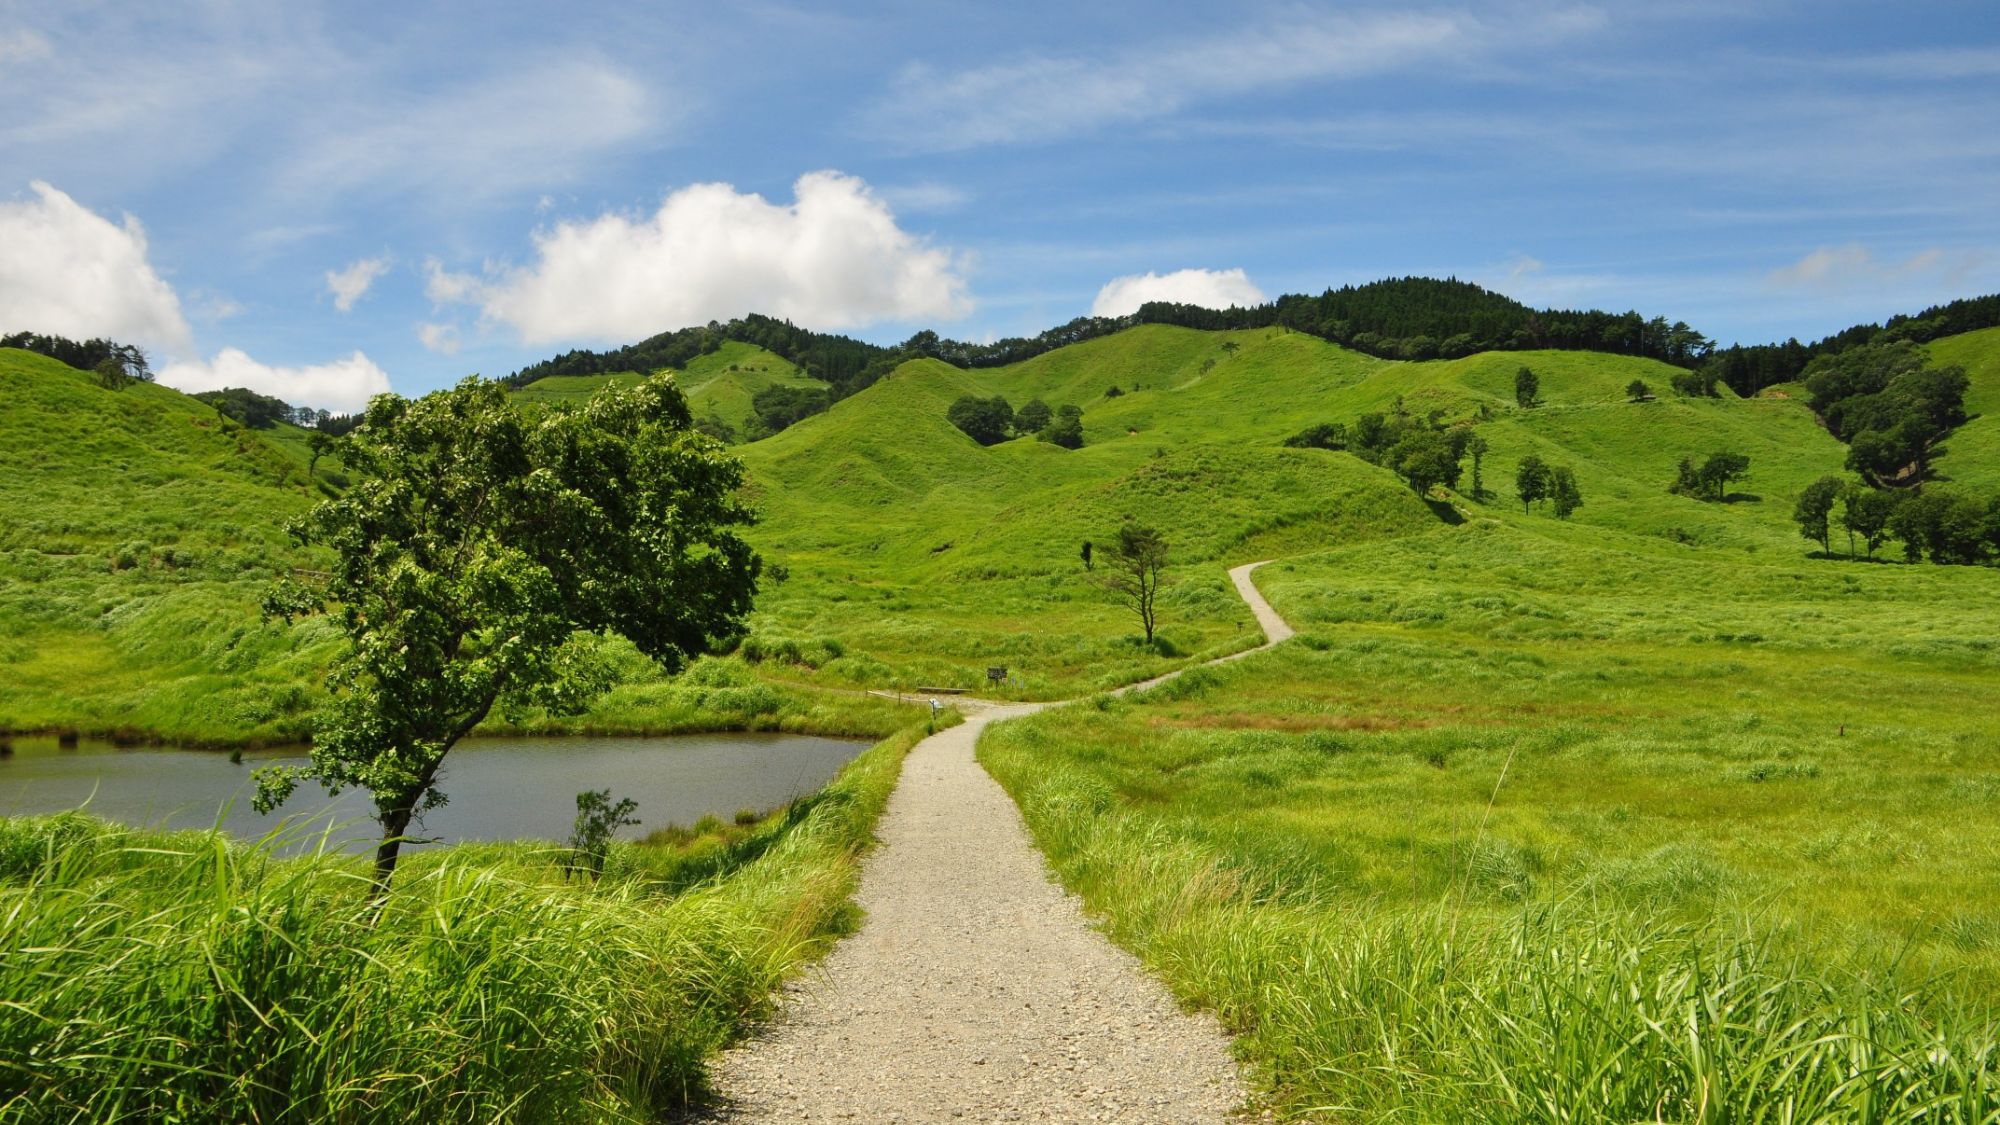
<point x="1866" y="512"/>
<point x="1531" y="481"/>
<point x="259" y="412"/>
<point x="1425" y="460"/>
<point x="1814" y="510"/>
<point x="1712" y="479"/>
<point x="1033" y="417"/>
<point x="988" y="421"/>
<point x="1702" y="382"/>
<point x="1527" y="388"/>
<point x="778" y="406"/>
<point x="1564" y="496"/>
<point x="477" y="555"/>
<point x="1889" y="405"/>
<point x="1638" y="391"/>
<point x="1067" y="429"/>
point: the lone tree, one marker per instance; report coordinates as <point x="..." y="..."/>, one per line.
<point x="1527" y="388"/>
<point x="478" y="558"/>
<point x="1136" y="570"/>
<point x="1531" y="481"/>
<point x="1564" y="495"/>
<point x="1425" y="460"/>
<point x="1033" y="418"/>
<point x="1638" y="391"/>
<point x="1814" y="509"/>
<point x="1086" y="554"/>
<point x="1067" y="429"/>
<point x="1476" y="445"/>
<point x="1720" y="471"/>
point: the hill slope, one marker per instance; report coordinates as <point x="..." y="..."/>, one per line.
<point x="719" y="385"/>
<point x="1972" y="458"/>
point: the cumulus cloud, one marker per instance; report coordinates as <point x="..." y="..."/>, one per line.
<point x="69" y="271"/>
<point x="351" y="284"/>
<point x="1838" y="267"/>
<point x="1211" y="289"/>
<point x="343" y="385"/>
<point x="833" y="258"/>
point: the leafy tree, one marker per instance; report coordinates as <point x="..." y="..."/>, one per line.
<point x="479" y="556"/>
<point x="1696" y="384"/>
<point x="984" y="420"/>
<point x="1033" y="418"/>
<point x="1527" y="388"/>
<point x="1638" y="391"/>
<point x="1325" y="435"/>
<point x="1814" y="510"/>
<point x="1067" y="429"/>
<point x="1948" y="526"/>
<point x="1564" y="495"/>
<point x="1475" y="444"/>
<point x="779" y="406"/>
<point x="111" y="374"/>
<point x="1424" y="460"/>
<point x="1086" y="554"/>
<point x="1137" y="571"/>
<point x="258" y="412"/>
<point x="1687" y="480"/>
<point x="1719" y="472"/>
<point x="1531" y="481"/>
<point x="1866" y="512"/>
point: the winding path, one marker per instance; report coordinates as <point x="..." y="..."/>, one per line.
<point x="976" y="989"/>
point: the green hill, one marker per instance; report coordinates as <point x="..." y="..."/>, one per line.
<point x="138" y="529"/>
<point x="719" y="385"/>
<point x="1972" y="460"/>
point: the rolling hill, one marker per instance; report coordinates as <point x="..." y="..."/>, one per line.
<point x="911" y="556"/>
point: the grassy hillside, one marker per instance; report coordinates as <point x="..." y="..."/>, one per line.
<point x="924" y="557"/>
<point x="720" y="384"/>
<point x="1973" y="458"/>
<point x="138" y="529"/>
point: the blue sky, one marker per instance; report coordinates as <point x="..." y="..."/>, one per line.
<point x="322" y="200"/>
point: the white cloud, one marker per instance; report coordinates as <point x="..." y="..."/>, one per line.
<point x="343" y="385"/>
<point x="68" y="271"/>
<point x="440" y="338"/>
<point x="1212" y="289"/>
<point x="1040" y="97"/>
<point x="926" y="196"/>
<point x="1840" y="267"/>
<point x="834" y="258"/>
<point x="351" y="284"/>
<point x="24" y="46"/>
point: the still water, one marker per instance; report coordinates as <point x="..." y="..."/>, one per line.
<point x="500" y="788"/>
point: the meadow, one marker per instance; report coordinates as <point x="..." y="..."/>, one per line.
<point x="1530" y="827"/>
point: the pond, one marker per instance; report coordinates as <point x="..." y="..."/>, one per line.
<point x="500" y="788"/>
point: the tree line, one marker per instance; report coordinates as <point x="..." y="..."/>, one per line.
<point x="114" y="363"/>
<point x="1749" y="369"/>
<point x="1936" y="524"/>
<point x="990" y="421"/>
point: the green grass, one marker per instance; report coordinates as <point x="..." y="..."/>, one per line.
<point x="1531" y="819"/>
<point x="1972" y="458"/>
<point x="189" y="977"/>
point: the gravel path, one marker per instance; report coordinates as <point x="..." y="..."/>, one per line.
<point x="977" y="990"/>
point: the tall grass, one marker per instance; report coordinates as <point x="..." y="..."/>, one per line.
<point x="1563" y="1012"/>
<point x="148" y="976"/>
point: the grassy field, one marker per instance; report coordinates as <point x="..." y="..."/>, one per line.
<point x="191" y="977"/>
<point x="1529" y="819"/>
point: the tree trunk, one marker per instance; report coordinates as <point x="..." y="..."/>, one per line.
<point x="395" y="822"/>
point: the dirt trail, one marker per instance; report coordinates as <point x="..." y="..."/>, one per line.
<point x="977" y="990"/>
